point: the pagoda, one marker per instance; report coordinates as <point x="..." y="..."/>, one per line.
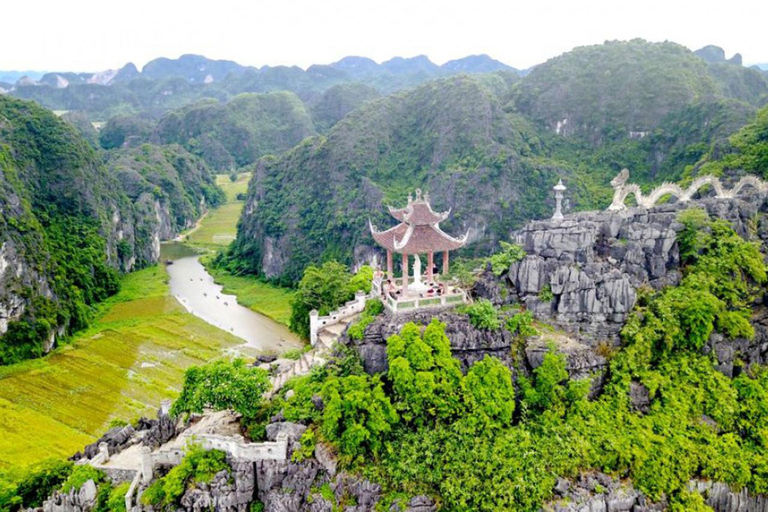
<point x="417" y="233"/>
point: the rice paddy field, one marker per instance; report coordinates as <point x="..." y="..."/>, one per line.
<point x="122" y="367"/>
<point x="219" y="227"/>
<point x="132" y="357"/>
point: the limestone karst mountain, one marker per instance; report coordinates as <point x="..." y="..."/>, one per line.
<point x="68" y="224"/>
<point x="490" y="146"/>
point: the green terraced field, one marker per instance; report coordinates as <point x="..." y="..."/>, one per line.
<point x="121" y="367"/>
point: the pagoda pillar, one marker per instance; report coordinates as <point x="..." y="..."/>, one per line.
<point x="390" y="273"/>
<point x="430" y="265"/>
<point x="405" y="273"/>
<point x="445" y="263"/>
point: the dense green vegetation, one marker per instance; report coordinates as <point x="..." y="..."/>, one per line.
<point x="324" y="289"/>
<point x="489" y="147"/>
<point x="239" y="132"/>
<point x="601" y="91"/>
<point x="53" y="194"/>
<point x="180" y="181"/>
<point x="474" y="425"/>
<point x="222" y="385"/>
<point x="746" y="150"/>
<point x="71" y="223"/>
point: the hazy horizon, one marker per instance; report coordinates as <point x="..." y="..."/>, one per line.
<point x="301" y="32"/>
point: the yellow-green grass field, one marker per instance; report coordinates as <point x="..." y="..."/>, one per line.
<point x="219" y="227"/>
<point x="132" y="357"/>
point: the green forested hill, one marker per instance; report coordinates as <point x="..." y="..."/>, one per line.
<point x="239" y="132"/>
<point x="182" y="179"/>
<point x="67" y="225"/>
<point x="490" y="147"/>
<point x="451" y="137"/>
<point x="337" y="102"/>
<point x="745" y="150"/>
<point x="608" y="90"/>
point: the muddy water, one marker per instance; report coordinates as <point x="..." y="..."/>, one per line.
<point x="195" y="289"/>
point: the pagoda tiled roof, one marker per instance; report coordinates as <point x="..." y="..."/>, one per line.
<point x="419" y="230"/>
<point x="418" y="213"/>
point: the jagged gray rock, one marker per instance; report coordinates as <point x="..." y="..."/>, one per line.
<point x="595" y="262"/>
<point x="76" y="500"/>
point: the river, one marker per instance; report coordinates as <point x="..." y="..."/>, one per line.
<point x="196" y="290"/>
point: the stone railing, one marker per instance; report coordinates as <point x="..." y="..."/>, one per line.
<point x="621" y="190"/>
<point x="317" y="323"/>
<point x="235" y="446"/>
<point x="251" y="452"/>
<point x="396" y="305"/>
<point x="435" y="301"/>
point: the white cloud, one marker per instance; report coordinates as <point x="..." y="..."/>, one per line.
<point x="90" y="35"/>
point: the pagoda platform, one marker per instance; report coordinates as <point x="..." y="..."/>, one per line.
<point x="438" y="294"/>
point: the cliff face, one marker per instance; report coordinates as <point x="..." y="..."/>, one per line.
<point x="68" y="223"/>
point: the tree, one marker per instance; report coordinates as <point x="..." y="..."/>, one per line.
<point x="426" y="379"/>
<point x="222" y="385"/>
<point x="358" y="414"/>
<point x="324" y="289"/>
<point x="489" y="393"/>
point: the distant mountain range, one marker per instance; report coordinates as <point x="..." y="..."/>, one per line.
<point x="201" y="70"/>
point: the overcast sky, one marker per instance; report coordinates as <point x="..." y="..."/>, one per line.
<point x="92" y="35"/>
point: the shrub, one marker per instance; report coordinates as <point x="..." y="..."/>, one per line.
<point x="197" y="466"/>
<point x="222" y="385"/>
<point x="116" y="500"/>
<point x="358" y="414"/>
<point x="34" y="485"/>
<point x="80" y="475"/>
<point x="489" y="393"/>
<point x="550" y="389"/>
<point x="483" y="315"/>
<point x="373" y="308"/>
<point x="502" y="260"/>
<point x="521" y="325"/>
<point x="426" y="379"/>
<point x="307" y="450"/>
<point x="545" y="294"/>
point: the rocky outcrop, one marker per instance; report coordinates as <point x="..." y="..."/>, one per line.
<point x="149" y="432"/>
<point x="582" y="274"/>
<point x="593" y="492"/>
<point x="228" y="490"/>
<point x="76" y="500"/>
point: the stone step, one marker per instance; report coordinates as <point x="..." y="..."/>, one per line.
<point x="328" y="340"/>
<point x="336" y="329"/>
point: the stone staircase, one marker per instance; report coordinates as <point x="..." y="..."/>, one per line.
<point x="318" y="356"/>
